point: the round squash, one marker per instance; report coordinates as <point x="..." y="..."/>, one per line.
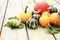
<point x="52" y="9"/>
<point x="36" y="16"/>
<point x="44" y="21"/>
<point x="55" y="19"/>
<point x="41" y="7"/>
<point x="32" y="23"/>
<point x="25" y="15"/>
<point x="46" y="13"/>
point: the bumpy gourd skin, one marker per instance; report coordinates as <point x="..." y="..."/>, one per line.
<point x="14" y="22"/>
<point x="32" y="23"/>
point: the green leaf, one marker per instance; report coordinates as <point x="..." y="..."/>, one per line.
<point x="21" y="25"/>
<point x="53" y="29"/>
<point x="13" y="18"/>
<point x="8" y="25"/>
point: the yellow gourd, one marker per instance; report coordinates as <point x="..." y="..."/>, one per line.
<point x="25" y="15"/>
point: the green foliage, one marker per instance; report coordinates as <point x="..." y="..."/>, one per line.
<point x="53" y="29"/>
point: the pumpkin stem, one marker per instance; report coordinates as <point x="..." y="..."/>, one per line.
<point x="26" y="9"/>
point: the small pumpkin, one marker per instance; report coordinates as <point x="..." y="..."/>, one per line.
<point x="36" y="16"/>
<point x="52" y="9"/>
<point x="44" y="21"/>
<point x="25" y="15"/>
<point x="46" y="13"/>
<point x="32" y="23"/>
<point x="55" y="19"/>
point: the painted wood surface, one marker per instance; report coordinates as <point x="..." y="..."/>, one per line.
<point x="2" y="10"/>
<point x="15" y="8"/>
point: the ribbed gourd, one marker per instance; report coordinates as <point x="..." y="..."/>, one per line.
<point x="52" y="9"/>
<point x="32" y="23"/>
<point x="36" y="16"/>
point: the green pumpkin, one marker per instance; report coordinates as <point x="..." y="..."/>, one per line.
<point x="36" y="16"/>
<point x="32" y="23"/>
<point x="52" y="9"/>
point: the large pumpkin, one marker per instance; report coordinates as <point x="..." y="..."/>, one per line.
<point x="32" y="23"/>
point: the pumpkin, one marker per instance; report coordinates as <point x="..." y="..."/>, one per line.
<point x="46" y="13"/>
<point x="32" y="23"/>
<point x="55" y="19"/>
<point x="41" y="7"/>
<point x="44" y="21"/>
<point x="36" y="16"/>
<point x="25" y="15"/>
<point x="52" y="9"/>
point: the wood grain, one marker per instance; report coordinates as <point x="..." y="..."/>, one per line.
<point x="14" y="9"/>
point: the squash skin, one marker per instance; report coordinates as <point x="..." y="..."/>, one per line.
<point x="32" y="23"/>
<point x="36" y="16"/>
<point x="52" y="9"/>
<point x="44" y="21"/>
<point x="46" y="13"/>
<point x="41" y="7"/>
<point x="25" y="16"/>
<point x="55" y="19"/>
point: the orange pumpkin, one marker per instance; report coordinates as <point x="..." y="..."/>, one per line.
<point x="46" y="13"/>
<point x="25" y="15"/>
<point x="44" y="21"/>
<point x="55" y="19"/>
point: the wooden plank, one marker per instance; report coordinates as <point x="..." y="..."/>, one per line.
<point x="0" y="38"/>
<point x="57" y="36"/>
<point x="39" y="34"/>
<point x="14" y="9"/>
<point x="2" y="10"/>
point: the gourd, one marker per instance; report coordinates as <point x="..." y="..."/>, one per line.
<point x="44" y="20"/>
<point x="25" y="15"/>
<point x="41" y="7"/>
<point x="52" y="9"/>
<point x="32" y="23"/>
<point x="46" y="13"/>
<point x="14" y="23"/>
<point x="55" y="19"/>
<point x="36" y="16"/>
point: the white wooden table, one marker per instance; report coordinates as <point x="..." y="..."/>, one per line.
<point x="14" y="9"/>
